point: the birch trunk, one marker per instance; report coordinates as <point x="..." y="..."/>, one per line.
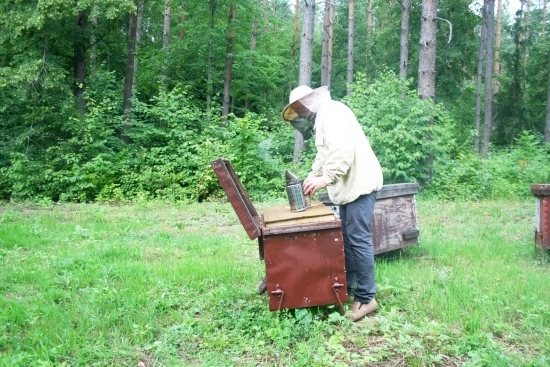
<point x="266" y="8"/>
<point x="544" y="15"/>
<point x="182" y="21"/>
<point x="93" y="47"/>
<point x="497" y="46"/>
<point x="129" y="76"/>
<point x="547" y="128"/>
<point x="209" y="81"/>
<point x="306" y="57"/>
<point x="481" y="58"/>
<point x="139" y="21"/>
<point x="306" y="46"/>
<point x="228" y="63"/>
<point x="166" y="39"/>
<point x="351" y="27"/>
<point x="79" y="60"/>
<point x="488" y="116"/>
<point x="404" y="44"/>
<point x="253" y="40"/>
<point x="296" y="28"/>
<point x="426" y="63"/>
<point x="328" y="34"/>
<point x="369" y="18"/>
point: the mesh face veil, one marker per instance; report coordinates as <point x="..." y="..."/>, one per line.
<point x="305" y="126"/>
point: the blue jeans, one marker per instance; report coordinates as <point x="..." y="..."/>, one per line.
<point x="356" y="220"/>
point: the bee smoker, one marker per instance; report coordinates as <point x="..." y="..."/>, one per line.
<point x="294" y="190"/>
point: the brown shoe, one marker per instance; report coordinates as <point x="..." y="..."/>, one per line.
<point x="360" y="310"/>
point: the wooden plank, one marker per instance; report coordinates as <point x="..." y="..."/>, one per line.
<point x="282" y="216"/>
<point x="393" y="190"/>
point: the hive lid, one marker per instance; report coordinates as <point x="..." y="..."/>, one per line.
<point x="238" y="197"/>
<point x="398" y="189"/>
<point x="540" y="189"/>
<point x="281" y="215"/>
<point x="387" y="191"/>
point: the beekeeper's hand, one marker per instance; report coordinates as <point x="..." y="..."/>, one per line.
<point x="312" y="184"/>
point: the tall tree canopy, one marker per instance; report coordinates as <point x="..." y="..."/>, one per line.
<point x="67" y="112"/>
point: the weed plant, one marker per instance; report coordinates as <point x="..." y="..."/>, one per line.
<point x="175" y="285"/>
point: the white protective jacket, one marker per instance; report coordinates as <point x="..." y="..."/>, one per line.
<point x="345" y="159"/>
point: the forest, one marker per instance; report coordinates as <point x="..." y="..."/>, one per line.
<point x="122" y="100"/>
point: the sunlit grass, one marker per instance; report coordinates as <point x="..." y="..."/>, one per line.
<point x="175" y="285"/>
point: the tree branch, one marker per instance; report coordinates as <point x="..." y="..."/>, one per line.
<point x="450" y="26"/>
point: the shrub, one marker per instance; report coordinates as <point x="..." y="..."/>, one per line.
<point x="507" y="173"/>
<point x="404" y="131"/>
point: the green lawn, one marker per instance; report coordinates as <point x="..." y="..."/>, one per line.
<point x="175" y="285"/>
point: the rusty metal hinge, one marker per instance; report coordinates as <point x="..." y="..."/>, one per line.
<point x="279" y="292"/>
<point x="336" y="288"/>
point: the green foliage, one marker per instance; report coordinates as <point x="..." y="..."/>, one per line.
<point x="77" y="167"/>
<point x="521" y="102"/>
<point x="172" y="145"/>
<point x="177" y="143"/>
<point x="506" y="173"/>
<point x="403" y="130"/>
<point x="52" y="148"/>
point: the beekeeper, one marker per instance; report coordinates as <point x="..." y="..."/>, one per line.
<point x="346" y="165"/>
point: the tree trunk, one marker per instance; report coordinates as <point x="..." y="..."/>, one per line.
<point x="544" y="15"/>
<point x="139" y="21"/>
<point x="404" y="56"/>
<point x="93" y="47"/>
<point x="209" y="81"/>
<point x="426" y="62"/>
<point x="253" y="39"/>
<point x="182" y="20"/>
<point x="351" y="28"/>
<point x="166" y="39"/>
<point x="306" y="46"/>
<point x="266" y="9"/>
<point x="488" y="117"/>
<point x="527" y="34"/>
<point x="306" y="57"/>
<point x="524" y="86"/>
<point x="481" y="58"/>
<point x="129" y="76"/>
<point x="328" y="35"/>
<point x="296" y="28"/>
<point x="547" y="129"/>
<point x="497" y="46"/>
<point x="79" y="60"/>
<point x="369" y="18"/>
<point x="228" y="63"/>
<point x="330" y="45"/>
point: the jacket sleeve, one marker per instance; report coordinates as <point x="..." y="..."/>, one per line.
<point x="335" y="144"/>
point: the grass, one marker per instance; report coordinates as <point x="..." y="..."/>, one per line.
<point x="175" y="285"/>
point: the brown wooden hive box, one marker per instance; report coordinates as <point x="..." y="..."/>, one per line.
<point x="394" y="224"/>
<point x="542" y="214"/>
<point x="303" y="252"/>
